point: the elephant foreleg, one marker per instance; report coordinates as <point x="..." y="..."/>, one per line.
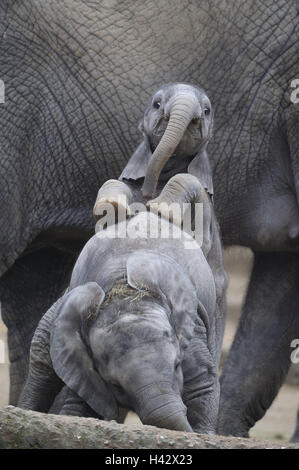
<point x="295" y="437"/>
<point x="75" y="406"/>
<point x="27" y="290"/>
<point x="259" y="358"/>
<point x="117" y="194"/>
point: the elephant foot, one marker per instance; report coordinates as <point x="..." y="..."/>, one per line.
<point x="162" y="210"/>
<point x="113" y="194"/>
<point x="118" y="203"/>
<point x="295" y="437"/>
<point x="178" y="193"/>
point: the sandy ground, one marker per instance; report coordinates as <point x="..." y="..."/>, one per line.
<point x="279" y="422"/>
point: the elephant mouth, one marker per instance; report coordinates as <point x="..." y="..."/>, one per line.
<point x="176" y="164"/>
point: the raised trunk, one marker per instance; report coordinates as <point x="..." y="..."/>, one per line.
<point x="182" y="112"/>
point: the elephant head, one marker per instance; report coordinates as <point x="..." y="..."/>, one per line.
<point x="121" y="351"/>
<point x="177" y="126"/>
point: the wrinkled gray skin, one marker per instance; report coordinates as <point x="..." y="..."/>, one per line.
<point x="77" y="80"/>
<point x="138" y="328"/>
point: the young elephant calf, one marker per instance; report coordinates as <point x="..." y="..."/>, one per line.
<point x="141" y="324"/>
<point x="177" y="126"/>
<point x="136" y="329"/>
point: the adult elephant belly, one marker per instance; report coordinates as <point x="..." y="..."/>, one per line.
<point x="257" y="202"/>
<point x="268" y="221"/>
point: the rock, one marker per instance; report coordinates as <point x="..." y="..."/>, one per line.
<point x="20" y="429"/>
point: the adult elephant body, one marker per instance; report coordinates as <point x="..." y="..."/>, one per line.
<point x="77" y="77"/>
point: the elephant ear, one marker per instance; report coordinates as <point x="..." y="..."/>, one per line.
<point x="164" y="277"/>
<point x="69" y="354"/>
<point x="201" y="168"/>
<point x="137" y="165"/>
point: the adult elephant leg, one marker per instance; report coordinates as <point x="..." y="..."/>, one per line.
<point x="295" y="436"/>
<point x="27" y="290"/>
<point x="260" y="355"/>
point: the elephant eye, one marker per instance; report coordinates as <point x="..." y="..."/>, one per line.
<point x="157" y="103"/>
<point x="207" y="111"/>
<point x="116" y="385"/>
<point x="177" y="365"/>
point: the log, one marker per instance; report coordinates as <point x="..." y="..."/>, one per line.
<point x="20" y="429"/>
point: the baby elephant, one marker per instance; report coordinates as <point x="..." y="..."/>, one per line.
<point x="140" y="327"/>
<point x="137" y="328"/>
<point x="177" y="126"/>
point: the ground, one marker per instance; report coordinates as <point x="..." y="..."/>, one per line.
<point x="279" y="422"/>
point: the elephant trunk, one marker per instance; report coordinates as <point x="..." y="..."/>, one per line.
<point x="174" y="420"/>
<point x="159" y="406"/>
<point x="185" y="108"/>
